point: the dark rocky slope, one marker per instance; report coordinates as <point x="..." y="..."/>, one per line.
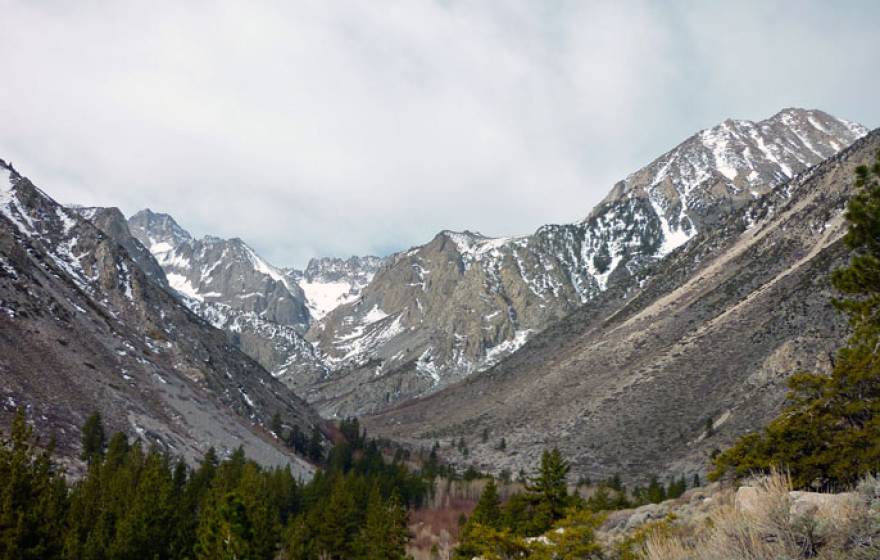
<point x="86" y="323"/>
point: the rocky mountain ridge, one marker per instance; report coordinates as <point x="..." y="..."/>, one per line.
<point x="671" y="363"/>
<point x="380" y="330"/>
<point x="87" y="321"/>
<point x="224" y="281"/>
<point x="439" y="312"/>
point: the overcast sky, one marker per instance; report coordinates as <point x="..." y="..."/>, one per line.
<point x="338" y="128"/>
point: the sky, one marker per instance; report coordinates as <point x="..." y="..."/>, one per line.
<point x="336" y="127"/>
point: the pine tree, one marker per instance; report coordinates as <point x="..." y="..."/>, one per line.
<point x="551" y="489"/>
<point x="488" y="510"/>
<point x="600" y="500"/>
<point x="485" y="542"/>
<point x="316" y="447"/>
<point x="339" y="521"/>
<point x="655" y="492"/>
<point x="225" y="531"/>
<point x="296" y="440"/>
<point x="573" y="538"/>
<point x="615" y="483"/>
<point x="276" y="425"/>
<point x="33" y="497"/>
<point x="93" y="439"/>
<point x="384" y="534"/>
<point x="147" y="524"/>
<point x="263" y="506"/>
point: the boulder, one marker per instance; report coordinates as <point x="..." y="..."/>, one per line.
<point x="800" y="504"/>
<point x="822" y="505"/>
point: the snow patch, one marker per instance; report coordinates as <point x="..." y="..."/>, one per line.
<point x="324" y="297"/>
<point x="499" y="351"/>
<point x="180" y="283"/>
<point x="375" y="314"/>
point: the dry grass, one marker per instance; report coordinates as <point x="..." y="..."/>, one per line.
<point x="769" y="530"/>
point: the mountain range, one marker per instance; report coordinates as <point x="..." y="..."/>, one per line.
<point x="682" y="300"/>
<point x="384" y="330"/>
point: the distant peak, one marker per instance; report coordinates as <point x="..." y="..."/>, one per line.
<point x="149" y="214"/>
<point x="10" y="169"/>
<point x="474" y="235"/>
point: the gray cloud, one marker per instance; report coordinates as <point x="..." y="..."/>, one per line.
<point x="337" y="128"/>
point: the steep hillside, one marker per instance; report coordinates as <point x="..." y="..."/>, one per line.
<point x="664" y="367"/>
<point x="86" y="322"/>
<point x="439" y="312"/>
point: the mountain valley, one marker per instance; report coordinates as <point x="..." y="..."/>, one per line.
<point x="592" y="327"/>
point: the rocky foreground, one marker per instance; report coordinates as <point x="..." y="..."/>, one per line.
<point x="764" y="519"/>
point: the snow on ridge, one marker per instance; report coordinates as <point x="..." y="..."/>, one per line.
<point x="365" y="339"/>
<point x="161" y="247"/>
<point x="6" y="185"/>
<point x="475" y="245"/>
<point x="67" y="222"/>
<point x="265" y="268"/>
<point x="464" y="240"/>
<point x="426" y="366"/>
<point x="717" y="141"/>
<point x="858" y="130"/>
<point x="672" y="238"/>
<point x="7" y="181"/>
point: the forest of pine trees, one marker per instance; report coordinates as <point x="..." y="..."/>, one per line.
<point x="136" y="502"/>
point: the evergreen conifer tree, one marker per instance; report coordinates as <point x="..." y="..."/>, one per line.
<point x="93" y="439"/>
<point x="551" y="489"/>
<point x="225" y="532"/>
<point x="316" y="447"/>
<point x="276" y="425"/>
<point x="488" y="510"/>
<point x="33" y="497"/>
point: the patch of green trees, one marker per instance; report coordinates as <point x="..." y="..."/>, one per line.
<point x="544" y="522"/>
<point x="138" y="502"/>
